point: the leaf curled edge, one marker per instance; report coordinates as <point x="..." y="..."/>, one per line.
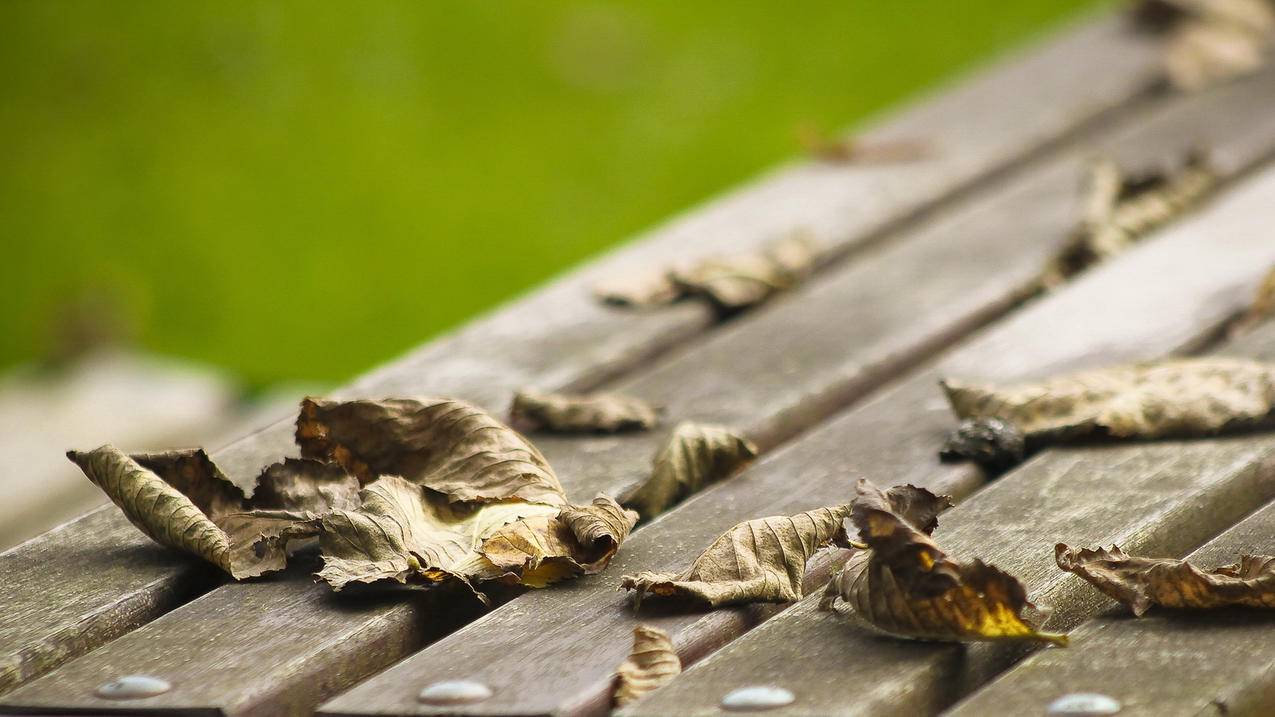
<point x="586" y="413"/>
<point x="651" y="664"/>
<point x="694" y="456"/>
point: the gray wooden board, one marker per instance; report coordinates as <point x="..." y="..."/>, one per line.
<point x="1166" y="663"/>
<point x="559" y="338"/>
<point x="1152" y="498"/>
<point x="553" y="651"/>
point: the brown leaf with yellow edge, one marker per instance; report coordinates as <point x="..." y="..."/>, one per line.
<point x="695" y="455"/>
<point x="902" y="584"/>
<point x="1121" y="208"/>
<point x="585" y="413"/>
<point x="651" y="664"/>
<point x="1143" y="582"/>
<point x="1170" y="398"/>
<point x="545" y="549"/>
<point x="182" y="500"/>
<point x="442" y="444"/>
<point x="760" y="560"/>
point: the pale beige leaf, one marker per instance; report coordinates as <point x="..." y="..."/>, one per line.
<point x="1143" y="582"/>
<point x="540" y="550"/>
<point x="442" y="444"/>
<point x="695" y="455"/>
<point x="760" y="560"/>
<point x="651" y="664"/>
<point x="586" y="413"/>
<point x="648" y="289"/>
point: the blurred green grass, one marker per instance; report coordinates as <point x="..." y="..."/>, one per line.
<point x="301" y="190"/>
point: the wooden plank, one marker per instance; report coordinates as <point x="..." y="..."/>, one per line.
<point x="559" y="338"/>
<point x="1155" y="498"/>
<point x="553" y="652"/>
<point x="1216" y="663"/>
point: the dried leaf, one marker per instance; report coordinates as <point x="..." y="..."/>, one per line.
<point x="1121" y="209"/>
<point x="182" y="500"/>
<point x="1175" y="397"/>
<point x="442" y="444"/>
<point x="1210" y="41"/>
<point x="648" y="289"/>
<point x="589" y="413"/>
<point x="545" y="549"/>
<point x="760" y="560"/>
<point x="855" y="150"/>
<point x="695" y="455"/>
<point x="904" y="585"/>
<point x="1262" y="308"/>
<point x="1143" y="582"/>
<point x="652" y="664"/>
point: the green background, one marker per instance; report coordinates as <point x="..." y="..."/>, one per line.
<point x="301" y="190"/>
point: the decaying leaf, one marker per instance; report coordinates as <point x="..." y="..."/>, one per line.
<point x="442" y="444"/>
<point x="760" y="560"/>
<point x="588" y="413"/>
<point x="1143" y="582"/>
<point x="695" y="455"/>
<point x="1210" y="41"/>
<point x="904" y="585"/>
<point x="652" y="664"/>
<point x="1170" y="398"/>
<point x="730" y="283"/>
<point x="1262" y="308"/>
<point x="182" y="500"/>
<point x="1122" y="208"/>
<point x="545" y="549"/>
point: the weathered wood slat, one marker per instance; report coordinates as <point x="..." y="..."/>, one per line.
<point x="558" y="338"/>
<point x="1152" y="498"/>
<point x="554" y="651"/>
<point x="1166" y="663"/>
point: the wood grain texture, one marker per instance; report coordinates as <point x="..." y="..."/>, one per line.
<point x="559" y="338"/>
<point x="1166" y="663"/>
<point x="1154" y="498"/>
<point x="1167" y="296"/>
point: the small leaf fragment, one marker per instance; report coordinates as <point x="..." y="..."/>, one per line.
<point x="761" y="560"/>
<point x="1169" y="398"/>
<point x="651" y="664"/>
<point x="905" y="585"/>
<point x="587" y="413"/>
<point x="1143" y="582"/>
<point x="695" y="455"/>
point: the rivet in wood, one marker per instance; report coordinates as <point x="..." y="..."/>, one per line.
<point x="757" y="698"/>
<point x="1083" y="704"/>
<point x="132" y="687"/>
<point x="454" y="692"/>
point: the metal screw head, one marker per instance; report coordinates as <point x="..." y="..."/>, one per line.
<point x="757" y="698"/>
<point x="132" y="687"/>
<point x="454" y="692"/>
<point x="1083" y="704"/>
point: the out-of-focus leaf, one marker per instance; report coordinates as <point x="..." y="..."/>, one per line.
<point x="904" y="585"/>
<point x="1121" y="208"/>
<point x="1262" y="308"/>
<point x="650" y="665"/>
<point x="855" y="150"/>
<point x="1175" y="397"/>
<point x="695" y="455"/>
<point x="182" y="500"/>
<point x="589" y="413"/>
<point x="442" y="444"/>
<point x="1210" y="41"/>
<point x="760" y="560"/>
<point x="1143" y="582"/>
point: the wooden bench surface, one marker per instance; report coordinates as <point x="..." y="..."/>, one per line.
<point x="932" y="271"/>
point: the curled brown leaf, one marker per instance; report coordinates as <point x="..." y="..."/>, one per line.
<point x="760" y="560"/>
<point x="588" y="413"/>
<point x="694" y="456"/>
<point x="651" y="664"/>
<point x="1143" y="582"/>
<point x="545" y="549"/>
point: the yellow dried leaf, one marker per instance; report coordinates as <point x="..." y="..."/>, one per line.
<point x="695" y="455"/>
<point x="1143" y="582"/>
<point x="588" y="413"/>
<point x="651" y="664"/>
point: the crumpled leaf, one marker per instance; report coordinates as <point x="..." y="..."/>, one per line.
<point x="651" y="664"/>
<point x="1210" y="41"/>
<point x="1143" y="582"/>
<point x="545" y="549"/>
<point x="760" y="560"/>
<point x="588" y="413"/>
<point x="1262" y="308"/>
<point x="182" y="500"/>
<point x="442" y="444"/>
<point x="903" y="584"/>
<point x="1174" y="397"/>
<point x="855" y="150"/>
<point x="731" y="283"/>
<point x="695" y="455"/>
<point x="1122" y="208"/>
